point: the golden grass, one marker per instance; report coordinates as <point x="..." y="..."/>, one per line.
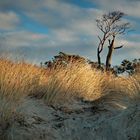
<point x="74" y="81"/>
<point x="17" y="80"/>
<point x="58" y="86"/>
<point x="81" y="81"/>
<point x="137" y="73"/>
<point x="122" y="92"/>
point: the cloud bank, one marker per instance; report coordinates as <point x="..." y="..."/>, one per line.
<point x="70" y="26"/>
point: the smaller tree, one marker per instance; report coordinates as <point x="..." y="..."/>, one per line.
<point x="110" y="25"/>
<point x="130" y="67"/>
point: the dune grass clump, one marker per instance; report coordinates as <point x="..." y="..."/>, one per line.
<point x="17" y="80"/>
<point x="80" y="81"/>
<point x="136" y="75"/>
<point x="122" y="92"/>
<point x="75" y="81"/>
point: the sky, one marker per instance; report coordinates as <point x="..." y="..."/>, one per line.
<point x="36" y="30"/>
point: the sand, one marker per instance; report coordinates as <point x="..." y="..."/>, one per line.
<point x="80" y="120"/>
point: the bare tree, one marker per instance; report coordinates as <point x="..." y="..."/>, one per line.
<point x="110" y="25"/>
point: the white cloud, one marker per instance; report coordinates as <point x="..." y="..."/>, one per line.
<point x="130" y="7"/>
<point x="8" y="20"/>
<point x="17" y="39"/>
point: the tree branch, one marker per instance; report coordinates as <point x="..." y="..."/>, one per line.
<point x="100" y="39"/>
<point x="119" y="47"/>
<point x="109" y="41"/>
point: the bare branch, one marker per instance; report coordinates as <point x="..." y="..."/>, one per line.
<point x="100" y="25"/>
<point x="100" y="39"/>
<point x="119" y="47"/>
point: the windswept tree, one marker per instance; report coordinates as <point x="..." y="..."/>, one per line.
<point x="110" y="25"/>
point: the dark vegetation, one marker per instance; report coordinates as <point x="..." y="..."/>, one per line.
<point x="64" y="59"/>
<point x="129" y="67"/>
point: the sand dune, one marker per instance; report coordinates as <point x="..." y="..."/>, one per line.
<point x="81" y="120"/>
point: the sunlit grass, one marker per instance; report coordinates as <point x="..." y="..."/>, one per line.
<point x="81" y="81"/>
<point x="59" y="86"/>
<point x="17" y="80"/>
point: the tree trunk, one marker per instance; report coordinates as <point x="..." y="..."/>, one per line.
<point x="100" y="49"/>
<point x="99" y="58"/>
<point x="109" y="55"/>
<point x="109" y="58"/>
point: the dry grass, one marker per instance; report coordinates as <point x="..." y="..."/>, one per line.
<point x="81" y="81"/>
<point x="17" y="80"/>
<point x="74" y="81"/>
<point x="61" y="85"/>
<point x="122" y="92"/>
<point x="137" y="73"/>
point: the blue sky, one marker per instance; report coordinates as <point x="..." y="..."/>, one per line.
<point x="36" y="30"/>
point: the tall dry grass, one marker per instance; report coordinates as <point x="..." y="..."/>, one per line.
<point x="136" y="75"/>
<point x="80" y="81"/>
<point x="17" y="80"/>
<point x="76" y="81"/>
<point x="122" y="92"/>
